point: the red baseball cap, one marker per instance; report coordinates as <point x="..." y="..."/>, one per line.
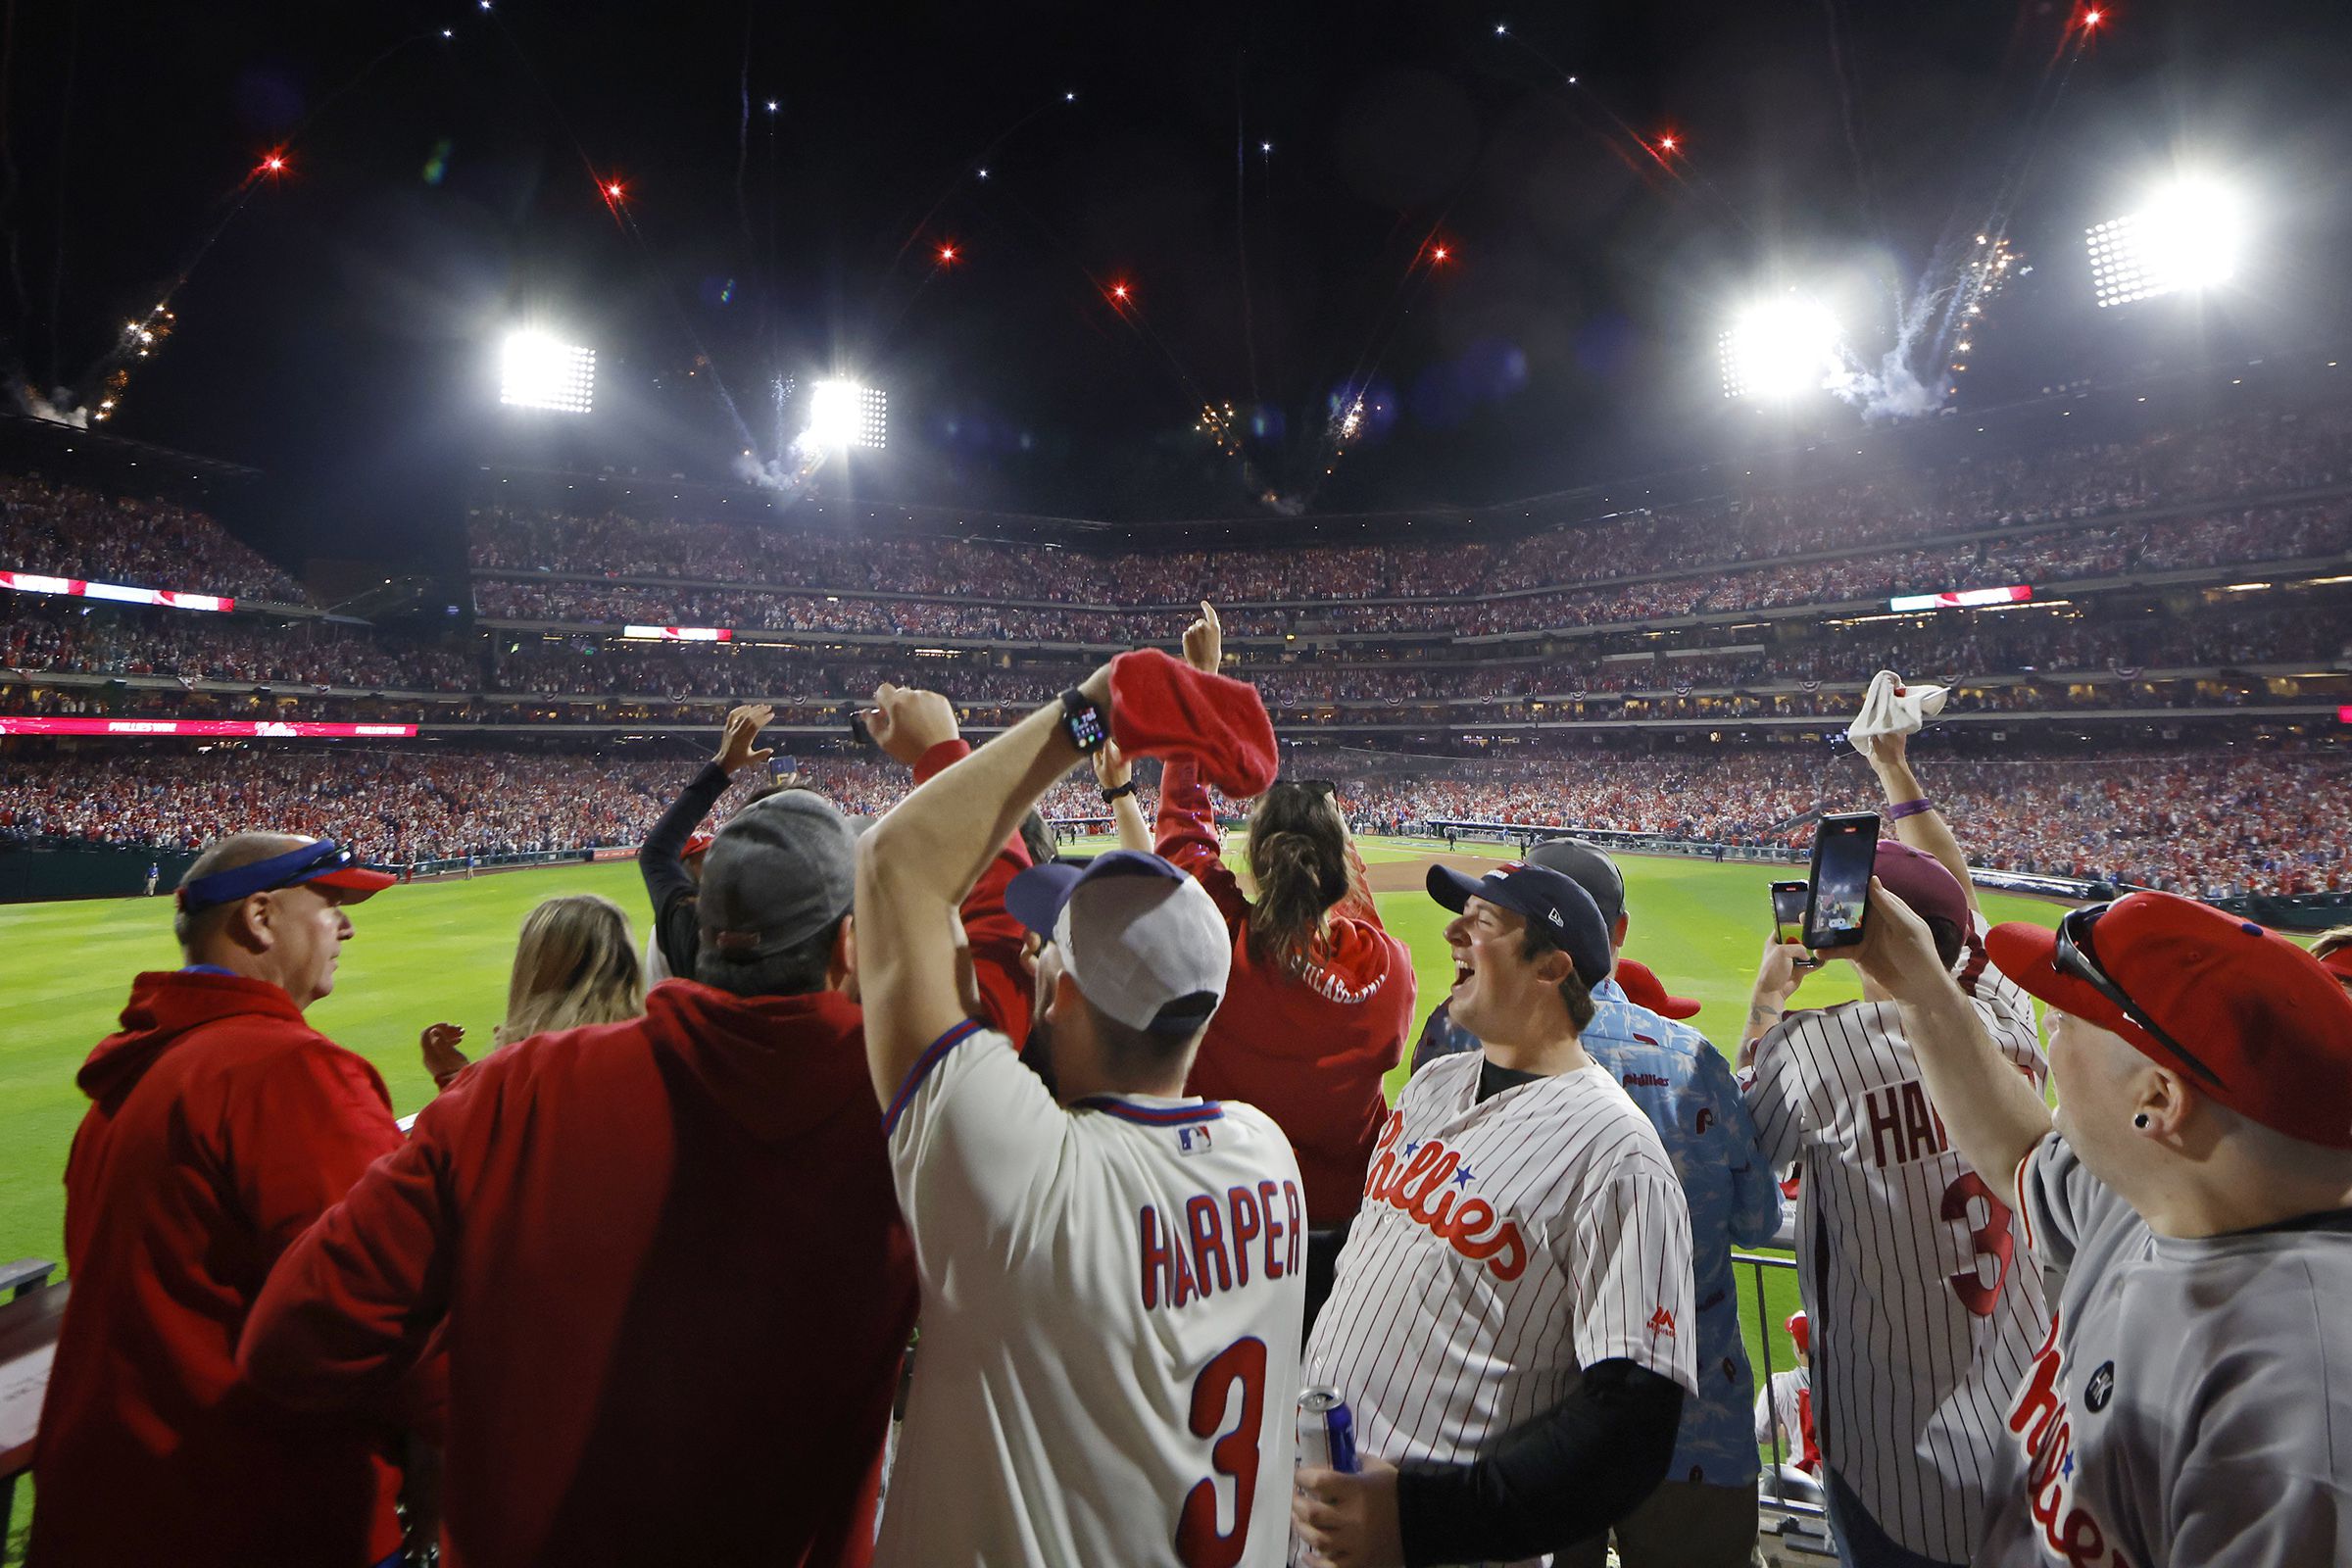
<point x="1643" y="989"/>
<point x="699" y="844"/>
<point x="2254" y="1021"/>
<point x="2339" y="962"/>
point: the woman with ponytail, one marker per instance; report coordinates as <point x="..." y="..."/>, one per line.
<point x="1320" y="1002"/>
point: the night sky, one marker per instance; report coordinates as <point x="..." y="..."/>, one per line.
<point x="341" y="330"/>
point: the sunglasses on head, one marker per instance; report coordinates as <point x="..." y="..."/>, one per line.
<point x="2075" y="957"/>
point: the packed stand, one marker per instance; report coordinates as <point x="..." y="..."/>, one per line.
<point x="63" y="530"/>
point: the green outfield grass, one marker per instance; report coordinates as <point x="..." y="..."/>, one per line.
<point x="440" y="951"/>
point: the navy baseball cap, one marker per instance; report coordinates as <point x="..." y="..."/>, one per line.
<point x="1550" y="900"/>
<point x="1143" y="939"/>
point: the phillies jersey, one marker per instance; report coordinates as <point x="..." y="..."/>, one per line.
<point x="1785" y="1407"/>
<point x="2192" y="1400"/>
<point x="1502" y="1247"/>
<point x="1109" y="1332"/>
<point x="1925" y="1304"/>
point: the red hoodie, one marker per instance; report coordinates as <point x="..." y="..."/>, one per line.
<point x="1307" y="1043"/>
<point x="221" y="1126"/>
<point x="672" y="1282"/>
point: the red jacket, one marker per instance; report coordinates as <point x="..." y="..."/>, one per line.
<point x="221" y="1126"/>
<point x="672" y="1282"/>
<point x="1306" y="1042"/>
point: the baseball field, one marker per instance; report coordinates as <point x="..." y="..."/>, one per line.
<point x="440" y="951"/>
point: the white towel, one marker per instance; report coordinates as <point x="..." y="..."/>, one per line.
<point x="1891" y="708"/>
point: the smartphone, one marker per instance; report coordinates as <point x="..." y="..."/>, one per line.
<point x="1789" y="900"/>
<point x="1844" y="848"/>
<point x="857" y="730"/>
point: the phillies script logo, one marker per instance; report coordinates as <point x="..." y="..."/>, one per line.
<point x="2044" y="1428"/>
<point x="1424" y="1188"/>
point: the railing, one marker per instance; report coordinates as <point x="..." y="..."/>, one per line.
<point x="1780" y="1497"/>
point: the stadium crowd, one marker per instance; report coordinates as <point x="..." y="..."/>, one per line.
<point x="2211" y="825"/>
<point x="2315" y="530"/>
<point x="2227" y="458"/>
<point x="63" y="530"/>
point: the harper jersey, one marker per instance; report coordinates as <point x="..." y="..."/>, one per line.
<point x="1925" y="1311"/>
<point x="1503" y="1245"/>
<point x="1111" y="1304"/>
<point x="2192" y="1401"/>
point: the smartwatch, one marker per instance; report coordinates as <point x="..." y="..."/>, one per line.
<point x="1085" y="723"/>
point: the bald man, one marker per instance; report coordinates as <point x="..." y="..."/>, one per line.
<point x="220" y="1124"/>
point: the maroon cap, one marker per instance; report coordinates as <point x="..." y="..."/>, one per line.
<point x="2269" y="1019"/>
<point x="1921" y="881"/>
<point x="1643" y="989"/>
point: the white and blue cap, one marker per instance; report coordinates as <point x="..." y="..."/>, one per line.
<point x="1551" y="902"/>
<point x="1140" y="939"/>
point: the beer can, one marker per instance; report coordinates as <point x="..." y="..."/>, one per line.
<point x="1326" y="1430"/>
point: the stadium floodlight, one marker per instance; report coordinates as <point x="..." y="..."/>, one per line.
<point x="539" y="371"/>
<point x="845" y="414"/>
<point x="1780" y="348"/>
<point x="2185" y="238"/>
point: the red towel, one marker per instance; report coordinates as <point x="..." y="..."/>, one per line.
<point x="1162" y="707"/>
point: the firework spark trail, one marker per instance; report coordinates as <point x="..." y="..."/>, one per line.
<point x="1950" y="295"/>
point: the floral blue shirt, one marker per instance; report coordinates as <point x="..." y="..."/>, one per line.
<point x="1686" y="1089"/>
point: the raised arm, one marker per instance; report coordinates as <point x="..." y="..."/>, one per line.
<point x="659" y="859"/>
<point x="920" y="730"/>
<point x="1993" y="1116"/>
<point x="1115" y="776"/>
<point x="915" y="867"/>
<point x="1187" y="829"/>
<point x="1917" y="821"/>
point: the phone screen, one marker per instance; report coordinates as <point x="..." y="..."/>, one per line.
<point x="1788" y="911"/>
<point x="1844" y="851"/>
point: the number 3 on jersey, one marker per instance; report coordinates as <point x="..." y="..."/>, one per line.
<point x="1234" y="1456"/>
<point x="1991" y="1240"/>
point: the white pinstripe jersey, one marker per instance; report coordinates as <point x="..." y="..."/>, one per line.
<point x="1925" y="1305"/>
<point x="1112" y="1300"/>
<point x="1501" y="1248"/>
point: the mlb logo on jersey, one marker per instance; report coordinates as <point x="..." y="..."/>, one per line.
<point x="1192" y="1141"/>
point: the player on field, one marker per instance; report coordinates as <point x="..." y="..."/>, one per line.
<point x="2192" y="1203"/>
<point x="1513" y="1320"/>
<point x="1784" y="1410"/>
<point x="1705" y="1513"/>
<point x="1112" y="1284"/>
<point x="1924" y="1312"/>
